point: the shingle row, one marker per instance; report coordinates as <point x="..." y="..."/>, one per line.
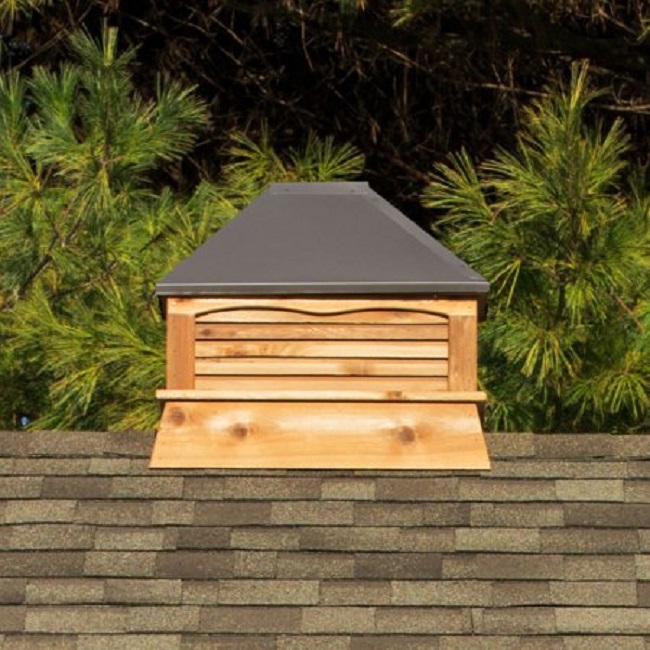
<point x="550" y="549"/>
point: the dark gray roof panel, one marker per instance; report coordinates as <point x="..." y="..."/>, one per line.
<point x="321" y="238"/>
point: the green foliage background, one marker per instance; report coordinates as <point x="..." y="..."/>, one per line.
<point x="85" y="234"/>
<point x="117" y="162"/>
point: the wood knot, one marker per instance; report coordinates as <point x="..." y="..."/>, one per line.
<point x="395" y="394"/>
<point x="176" y="417"/>
<point x="205" y="332"/>
<point x="406" y="434"/>
<point x="239" y="430"/>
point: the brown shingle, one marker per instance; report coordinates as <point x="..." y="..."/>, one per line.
<point x="594" y="593"/>
<point x="398" y="565"/>
<point x="347" y="620"/>
<point x="502" y="566"/>
<point x="643" y="594"/>
<point x="269" y="537"/>
<point x="76" y="619"/>
<point x="130" y="641"/>
<point x="42" y="563"/>
<point x="12" y="591"/>
<point x="20" y="487"/>
<point x="40" y="642"/>
<point x="49" y="537"/>
<point x="149" y="591"/>
<point x="315" y="566"/>
<point x="131" y="538"/>
<point x="460" y="593"/>
<point x="563" y="469"/>
<point x="268" y="592"/>
<point x="231" y="513"/>
<point x="355" y="592"/>
<point x="417" y="489"/>
<point x="313" y="642"/>
<point x="425" y="620"/>
<point x="64" y="591"/>
<point x="566" y="446"/>
<point x="590" y="489"/>
<point x="194" y="564"/>
<point x="581" y="540"/>
<point x="114" y="512"/>
<point x="482" y="489"/>
<point x="51" y="466"/>
<point x="519" y="593"/>
<point x="501" y="540"/>
<point x="253" y="620"/>
<point x="271" y="488"/>
<point x="12" y="618"/>
<point x="120" y="563"/>
<point x="637" y="491"/>
<point x="257" y="564"/>
<point x="520" y="515"/>
<point x="350" y="489"/>
<point x="38" y="510"/>
<point x="518" y="620"/>
<point x="312" y="512"/>
<point x="158" y="487"/>
<point x="603" y="620"/>
<point x="606" y="515"/>
<point x="163" y="618"/>
<point x="203" y="537"/>
<point x="228" y="642"/>
<point x="76" y="487"/>
<point x="599" y="567"/>
<point x="510" y="445"/>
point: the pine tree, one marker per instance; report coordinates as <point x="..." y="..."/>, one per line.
<point x="561" y="229"/>
<point x="87" y="228"/>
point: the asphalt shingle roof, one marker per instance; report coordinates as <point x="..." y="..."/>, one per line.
<point x="550" y="549"/>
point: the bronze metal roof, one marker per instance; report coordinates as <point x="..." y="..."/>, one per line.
<point x="321" y="238"/>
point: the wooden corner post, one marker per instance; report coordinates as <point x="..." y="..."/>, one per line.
<point x="463" y="347"/>
<point x="180" y="348"/>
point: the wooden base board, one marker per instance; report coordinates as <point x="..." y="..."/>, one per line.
<point x="319" y="435"/>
